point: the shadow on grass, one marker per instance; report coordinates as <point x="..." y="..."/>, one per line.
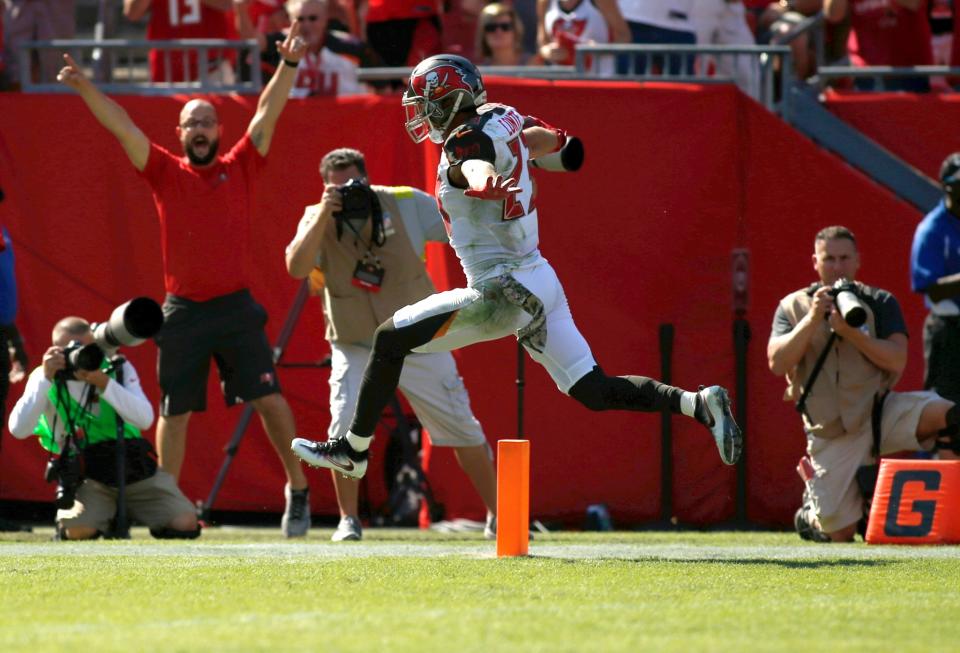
<point x="751" y="562"/>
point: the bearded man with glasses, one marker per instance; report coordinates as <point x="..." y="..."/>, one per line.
<point x="204" y="204"/>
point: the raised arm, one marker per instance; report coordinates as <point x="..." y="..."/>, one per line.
<point x="135" y="9"/>
<point x="110" y="114"/>
<point x="302" y="252"/>
<point x="619" y="31"/>
<point x="785" y="351"/>
<point x="274" y="96"/>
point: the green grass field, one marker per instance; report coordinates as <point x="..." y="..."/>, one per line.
<point x="398" y="590"/>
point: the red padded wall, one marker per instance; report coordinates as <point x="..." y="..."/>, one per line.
<point x="676" y="176"/>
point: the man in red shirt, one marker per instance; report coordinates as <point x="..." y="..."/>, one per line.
<point x="886" y="33"/>
<point x="185" y="19"/>
<point x="204" y="204"/>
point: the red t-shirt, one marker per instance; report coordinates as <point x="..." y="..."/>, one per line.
<point x="204" y="219"/>
<point x="885" y="34"/>
<point x="381" y="10"/>
<point x="184" y="19"/>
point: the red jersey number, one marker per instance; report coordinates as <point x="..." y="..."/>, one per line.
<point x="512" y="208"/>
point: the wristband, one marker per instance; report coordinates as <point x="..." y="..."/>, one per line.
<point x="292" y="64"/>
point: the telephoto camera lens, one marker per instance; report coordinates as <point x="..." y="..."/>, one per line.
<point x="851" y="308"/>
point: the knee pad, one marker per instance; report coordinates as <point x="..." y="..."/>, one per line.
<point x="589" y="390"/>
<point x="166" y="533"/>
<point x="387" y="345"/>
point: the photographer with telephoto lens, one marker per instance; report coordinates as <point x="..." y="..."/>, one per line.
<point x="74" y="402"/>
<point x="842" y="346"/>
<point x="365" y="246"/>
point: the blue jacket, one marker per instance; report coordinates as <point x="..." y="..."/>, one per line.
<point x="936" y="249"/>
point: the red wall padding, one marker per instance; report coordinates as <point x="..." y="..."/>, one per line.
<point x="921" y="129"/>
<point x="676" y="176"/>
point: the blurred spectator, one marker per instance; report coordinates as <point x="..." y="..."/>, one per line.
<point x="940" y="15"/>
<point x="886" y="33"/>
<point x="321" y="71"/>
<point x="565" y="23"/>
<point x="779" y="19"/>
<point x="724" y="22"/>
<point x="35" y="20"/>
<point x="665" y="22"/>
<point x="402" y="32"/>
<point x="272" y="28"/>
<point x="459" y="27"/>
<point x="343" y="16"/>
<point x="499" y="38"/>
<point x="186" y="19"/>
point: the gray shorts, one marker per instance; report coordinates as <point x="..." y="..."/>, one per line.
<point x="154" y="502"/>
<point x="431" y="384"/>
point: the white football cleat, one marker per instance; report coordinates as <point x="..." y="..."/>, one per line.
<point x="336" y="454"/>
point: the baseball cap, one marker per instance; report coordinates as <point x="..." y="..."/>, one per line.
<point x="949" y="168"/>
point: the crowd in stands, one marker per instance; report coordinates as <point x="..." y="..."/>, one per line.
<point x="347" y="34"/>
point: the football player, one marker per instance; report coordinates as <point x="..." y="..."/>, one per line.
<point x="487" y="199"/>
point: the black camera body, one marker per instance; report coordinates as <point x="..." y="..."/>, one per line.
<point x="79" y="357"/>
<point x="846" y="297"/>
<point x="67" y="470"/>
<point x="356" y="199"/>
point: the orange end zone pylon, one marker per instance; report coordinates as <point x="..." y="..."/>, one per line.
<point x="513" y="497"/>
<point x="916" y="502"/>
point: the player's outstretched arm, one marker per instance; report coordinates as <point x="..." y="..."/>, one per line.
<point x="110" y="114"/>
<point x="274" y="96"/>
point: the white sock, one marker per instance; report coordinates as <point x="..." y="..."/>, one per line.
<point x="688" y="403"/>
<point x="358" y="442"/>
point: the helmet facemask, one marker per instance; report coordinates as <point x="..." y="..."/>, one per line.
<point x="428" y="119"/>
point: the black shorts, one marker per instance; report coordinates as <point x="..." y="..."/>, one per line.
<point x="228" y="329"/>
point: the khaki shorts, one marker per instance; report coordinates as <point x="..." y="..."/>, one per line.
<point x="154" y="502"/>
<point x="431" y="384"/>
<point x="834" y="488"/>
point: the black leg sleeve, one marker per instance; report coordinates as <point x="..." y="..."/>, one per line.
<point x="597" y="391"/>
<point x="382" y="375"/>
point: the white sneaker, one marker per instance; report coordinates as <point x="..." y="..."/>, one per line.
<point x="296" y="515"/>
<point x="348" y="530"/>
<point x="490" y="529"/>
<point x="713" y="411"/>
<point x="336" y="454"/>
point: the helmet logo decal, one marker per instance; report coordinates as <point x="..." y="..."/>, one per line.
<point x="439" y="82"/>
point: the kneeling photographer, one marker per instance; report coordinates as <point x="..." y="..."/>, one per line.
<point x="74" y="402"/>
<point x="842" y="346"/>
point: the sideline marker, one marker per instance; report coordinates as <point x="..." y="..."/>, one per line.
<point x="513" y="497"/>
<point x="916" y="502"/>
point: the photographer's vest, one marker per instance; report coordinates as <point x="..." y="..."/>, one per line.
<point x="96" y="428"/>
<point x="352" y="314"/>
<point x="842" y="396"/>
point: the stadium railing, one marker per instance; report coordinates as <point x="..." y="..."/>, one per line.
<point x="118" y="65"/>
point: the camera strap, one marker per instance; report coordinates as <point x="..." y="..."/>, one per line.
<point x="368" y="274"/>
<point x="814" y="373"/>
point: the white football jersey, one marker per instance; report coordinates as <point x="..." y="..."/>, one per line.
<point x="492" y="238"/>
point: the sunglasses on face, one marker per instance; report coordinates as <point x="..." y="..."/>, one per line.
<point x="490" y="28"/>
<point x="206" y="123"/>
<point x="311" y="17"/>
